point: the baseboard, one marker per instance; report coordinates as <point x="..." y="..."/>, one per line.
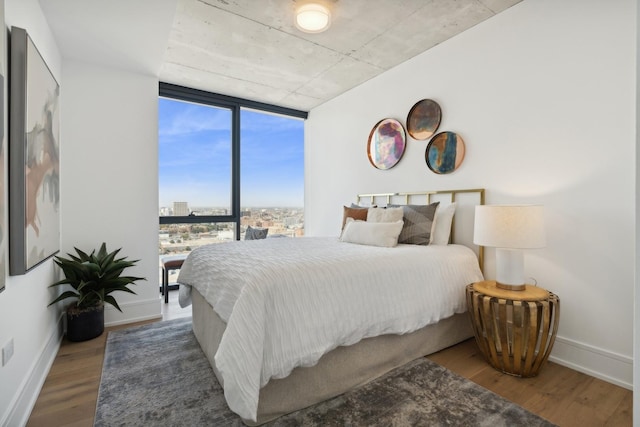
<point x="603" y="364"/>
<point x="135" y="311"/>
<point x="26" y="398"/>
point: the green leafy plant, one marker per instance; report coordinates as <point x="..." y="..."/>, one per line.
<point x="94" y="277"/>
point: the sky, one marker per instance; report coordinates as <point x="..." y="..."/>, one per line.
<point x="195" y="157"/>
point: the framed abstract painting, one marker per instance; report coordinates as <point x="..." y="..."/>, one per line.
<point x="445" y="152"/>
<point x="34" y="165"/>
<point x="386" y="144"/>
<point x="423" y="119"/>
<point x="3" y="151"/>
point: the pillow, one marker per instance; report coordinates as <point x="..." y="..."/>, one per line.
<point x="355" y="213"/>
<point x="255" y="233"/>
<point x="384" y="214"/>
<point x="442" y="224"/>
<point x="418" y="221"/>
<point x="372" y="233"/>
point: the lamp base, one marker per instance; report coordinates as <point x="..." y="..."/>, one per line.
<point x="511" y="287"/>
<point x="510" y="269"/>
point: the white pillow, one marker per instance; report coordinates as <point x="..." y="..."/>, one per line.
<point x="384" y="214"/>
<point x="371" y="233"/>
<point x="441" y="229"/>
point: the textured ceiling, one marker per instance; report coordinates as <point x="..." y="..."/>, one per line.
<point x="251" y="49"/>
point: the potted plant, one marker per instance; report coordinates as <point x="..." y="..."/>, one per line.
<point x="93" y="278"/>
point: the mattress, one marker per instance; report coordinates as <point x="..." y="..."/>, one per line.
<point x="287" y="302"/>
<point x="339" y="370"/>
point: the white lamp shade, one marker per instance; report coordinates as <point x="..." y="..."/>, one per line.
<point x="313" y="18"/>
<point x="509" y="226"/>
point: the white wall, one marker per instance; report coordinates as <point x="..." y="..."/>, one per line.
<point x="24" y="316"/>
<point x="636" y="310"/>
<point x="544" y="96"/>
<point x="109" y="191"/>
<point x="109" y="174"/>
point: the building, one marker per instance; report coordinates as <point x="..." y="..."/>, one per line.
<point x="544" y="94"/>
<point x="180" y="208"/>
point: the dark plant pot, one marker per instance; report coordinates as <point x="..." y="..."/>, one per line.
<point x="85" y="323"/>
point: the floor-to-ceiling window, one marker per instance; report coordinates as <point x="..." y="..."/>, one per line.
<point x="226" y="164"/>
<point x="272" y="173"/>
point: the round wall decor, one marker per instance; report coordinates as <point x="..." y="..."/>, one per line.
<point x="445" y="152"/>
<point x="386" y="144"/>
<point x="423" y="119"/>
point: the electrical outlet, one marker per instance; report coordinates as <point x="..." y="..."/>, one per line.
<point x="7" y="352"/>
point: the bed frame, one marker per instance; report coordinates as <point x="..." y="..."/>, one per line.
<point x="350" y="366"/>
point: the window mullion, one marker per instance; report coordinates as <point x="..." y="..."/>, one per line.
<point x="235" y="168"/>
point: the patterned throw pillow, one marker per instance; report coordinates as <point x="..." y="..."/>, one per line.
<point x="255" y="233"/>
<point x="418" y="220"/>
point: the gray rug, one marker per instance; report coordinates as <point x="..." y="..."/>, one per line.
<point x="156" y="375"/>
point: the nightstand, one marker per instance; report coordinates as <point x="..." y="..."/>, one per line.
<point x="515" y="330"/>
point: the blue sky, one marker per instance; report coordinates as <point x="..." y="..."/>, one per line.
<point x="195" y="157"/>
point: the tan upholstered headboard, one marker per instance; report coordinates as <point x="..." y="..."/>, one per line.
<point x="462" y="226"/>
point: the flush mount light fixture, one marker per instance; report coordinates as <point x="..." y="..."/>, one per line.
<point x="313" y="18"/>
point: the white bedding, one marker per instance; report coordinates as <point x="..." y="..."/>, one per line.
<point x="287" y="302"/>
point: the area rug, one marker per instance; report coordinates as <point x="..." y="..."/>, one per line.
<point x="157" y="375"/>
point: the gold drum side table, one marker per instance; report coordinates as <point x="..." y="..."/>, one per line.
<point x="515" y="330"/>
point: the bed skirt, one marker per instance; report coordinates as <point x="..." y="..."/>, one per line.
<point x="337" y="371"/>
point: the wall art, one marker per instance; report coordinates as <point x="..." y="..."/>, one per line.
<point x="423" y="119"/>
<point x="3" y="180"/>
<point x="445" y="152"/>
<point x="34" y="167"/>
<point x="386" y="145"/>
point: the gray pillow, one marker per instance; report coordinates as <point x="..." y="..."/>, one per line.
<point x="418" y="220"/>
<point x="255" y="233"/>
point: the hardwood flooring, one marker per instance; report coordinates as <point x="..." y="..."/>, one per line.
<point x="70" y="392"/>
<point x="561" y="395"/>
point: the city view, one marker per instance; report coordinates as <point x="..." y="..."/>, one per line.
<point x="195" y="173"/>
<point x="177" y="239"/>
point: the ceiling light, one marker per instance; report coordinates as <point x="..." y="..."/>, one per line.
<point x="313" y="18"/>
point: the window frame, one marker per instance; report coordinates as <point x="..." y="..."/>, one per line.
<point x="182" y="93"/>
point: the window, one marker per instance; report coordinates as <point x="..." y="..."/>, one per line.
<point x="225" y="164"/>
<point x="195" y="158"/>
<point x="272" y="173"/>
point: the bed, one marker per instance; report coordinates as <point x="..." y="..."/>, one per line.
<point x="286" y="323"/>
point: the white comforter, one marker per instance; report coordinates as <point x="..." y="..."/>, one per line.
<point x="287" y="302"/>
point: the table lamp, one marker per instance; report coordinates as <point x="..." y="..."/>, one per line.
<point x="509" y="229"/>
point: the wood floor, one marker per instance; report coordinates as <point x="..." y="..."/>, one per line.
<point x="69" y="394"/>
<point x="561" y="395"/>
